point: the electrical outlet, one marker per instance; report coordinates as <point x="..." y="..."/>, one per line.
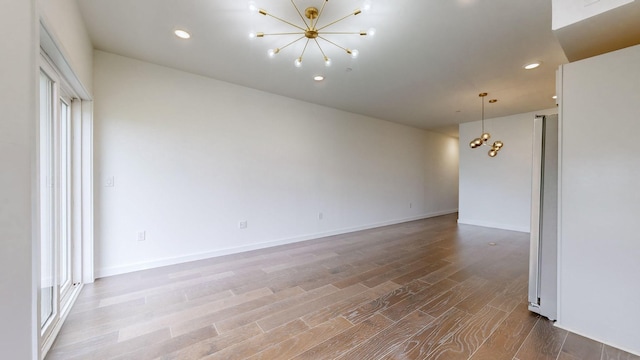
<point x="109" y="182"/>
<point x="320" y="216"/>
<point x="410" y="205"/>
<point x="142" y="235"/>
<point x="242" y="224"/>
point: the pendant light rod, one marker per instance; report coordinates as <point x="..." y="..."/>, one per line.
<point x="483" y="95"/>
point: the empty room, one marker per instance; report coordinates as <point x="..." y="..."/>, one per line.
<point x="314" y="179"/>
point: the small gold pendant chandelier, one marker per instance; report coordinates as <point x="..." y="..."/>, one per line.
<point x="482" y="140"/>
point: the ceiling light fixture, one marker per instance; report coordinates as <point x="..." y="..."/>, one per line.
<point x="310" y="31"/>
<point x="182" y="34"/>
<point x="532" y="65"/>
<point x="482" y="140"/>
<point x="318" y="78"/>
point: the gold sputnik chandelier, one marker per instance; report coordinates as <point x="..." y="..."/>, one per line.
<point x="310" y="31"/>
<point x="482" y="140"/>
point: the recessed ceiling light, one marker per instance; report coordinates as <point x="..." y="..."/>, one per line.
<point x="318" y="78"/>
<point x="532" y="65"/>
<point x="554" y="97"/>
<point x="182" y="34"/>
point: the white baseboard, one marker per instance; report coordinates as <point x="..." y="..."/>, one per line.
<point x="560" y="326"/>
<point x="123" y="269"/>
<point x="488" y="224"/>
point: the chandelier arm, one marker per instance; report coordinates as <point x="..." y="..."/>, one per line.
<point x="304" y="49"/>
<point x="287" y="22"/>
<point x="294" y="41"/>
<point x="320" y="47"/>
<point x="300" y="13"/>
<point x="284" y="33"/>
<point x="337" y="21"/>
<point x="334" y="44"/>
<point x="319" y="14"/>
<point x="343" y="33"/>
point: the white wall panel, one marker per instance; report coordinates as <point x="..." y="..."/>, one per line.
<point x="191" y="157"/>
<point x="599" y="199"/>
<point x="18" y="104"/>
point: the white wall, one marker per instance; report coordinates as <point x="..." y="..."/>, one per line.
<point x="599" y="259"/>
<point x="17" y="144"/>
<point x="192" y="156"/>
<point x="496" y="192"/>
<point x="567" y="12"/>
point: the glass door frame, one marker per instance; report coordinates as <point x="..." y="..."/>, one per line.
<point x="61" y="210"/>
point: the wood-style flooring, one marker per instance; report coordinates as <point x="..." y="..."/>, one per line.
<point x="428" y="289"/>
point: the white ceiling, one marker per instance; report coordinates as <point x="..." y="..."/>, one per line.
<point x="425" y="66"/>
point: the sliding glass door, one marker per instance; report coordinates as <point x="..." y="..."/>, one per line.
<point x="58" y="248"/>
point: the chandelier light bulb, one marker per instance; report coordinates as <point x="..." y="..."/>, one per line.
<point x="486" y="136"/>
<point x="366" y="6"/>
<point x="298" y="62"/>
<point x="327" y="61"/>
<point x="493" y="153"/>
<point x="252" y="35"/>
<point x="371" y="32"/>
<point x="273" y="52"/>
<point x="354" y="53"/>
<point x="253" y="7"/>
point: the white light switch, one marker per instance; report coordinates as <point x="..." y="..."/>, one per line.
<point x="109" y="182"/>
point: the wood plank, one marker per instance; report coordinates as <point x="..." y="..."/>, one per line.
<point x="385" y="301"/>
<point x="267" y="306"/>
<point x="260" y="342"/>
<point x="299" y="343"/>
<point x="543" y="343"/>
<point x="170" y="345"/>
<point x="509" y="336"/>
<point x="198" y="316"/>
<point x="455" y="294"/>
<point x="347" y="340"/>
<point x="577" y="347"/>
<point x="302" y="308"/>
<point x="611" y="353"/>
<point x="213" y="344"/>
<point x="342" y="308"/>
<point x="388" y="339"/>
<point x="416" y="301"/>
<point x="424" y="341"/>
<point x="465" y="340"/>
